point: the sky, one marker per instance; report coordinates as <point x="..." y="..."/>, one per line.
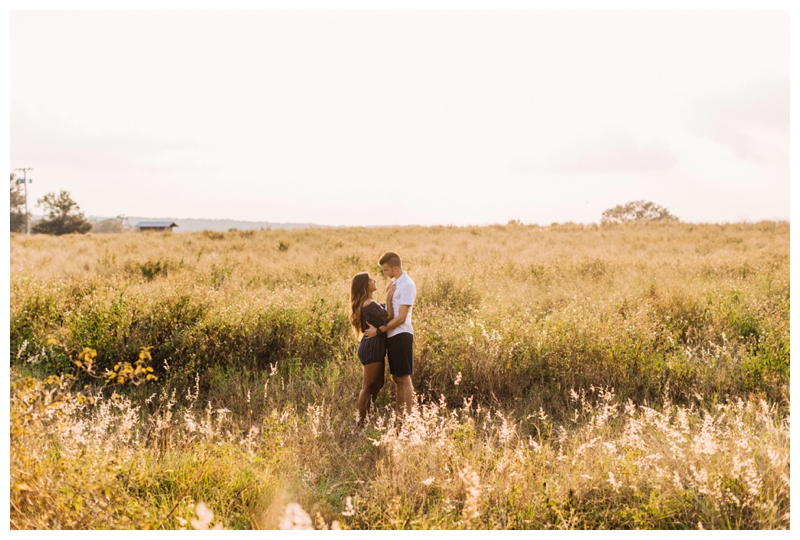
<point x="396" y="118"/>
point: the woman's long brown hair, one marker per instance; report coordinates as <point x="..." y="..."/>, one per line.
<point x="358" y="293"/>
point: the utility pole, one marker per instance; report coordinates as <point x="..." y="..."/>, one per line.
<point x="25" y="180"/>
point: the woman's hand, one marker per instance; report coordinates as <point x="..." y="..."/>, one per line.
<point x="390" y="289"/>
<point x="371" y="332"/>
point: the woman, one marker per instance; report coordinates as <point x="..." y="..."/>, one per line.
<point x="371" y="352"/>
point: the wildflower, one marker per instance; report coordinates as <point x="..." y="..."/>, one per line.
<point x="144" y="354"/>
<point x="88" y="354"/>
<point x="295" y="518"/>
<point x="676" y="479"/>
<point x="611" y="480"/>
<point x="473" y="487"/>
<point x="22" y="349"/>
<point x="348" y="507"/>
<point x="536" y="447"/>
<point x="204" y="518"/>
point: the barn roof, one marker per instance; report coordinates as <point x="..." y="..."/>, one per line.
<point x="156" y="224"/>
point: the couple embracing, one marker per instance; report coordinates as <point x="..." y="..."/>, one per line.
<point x="384" y="329"/>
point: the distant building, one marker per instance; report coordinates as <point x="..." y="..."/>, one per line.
<point x="155" y="226"/>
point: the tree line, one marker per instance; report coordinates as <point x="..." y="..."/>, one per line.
<point x="62" y="215"/>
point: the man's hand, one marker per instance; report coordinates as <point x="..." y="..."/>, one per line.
<point x="371" y="332"/>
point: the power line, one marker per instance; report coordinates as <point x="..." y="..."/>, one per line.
<point x="25" y="181"/>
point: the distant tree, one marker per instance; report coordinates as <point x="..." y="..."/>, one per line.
<point x="63" y="216"/>
<point x="637" y="212"/>
<point x="17" y="207"/>
<point x="110" y="226"/>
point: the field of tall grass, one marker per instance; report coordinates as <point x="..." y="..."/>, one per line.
<point x="568" y="377"/>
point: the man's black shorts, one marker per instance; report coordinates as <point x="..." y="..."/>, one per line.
<point x="401" y="354"/>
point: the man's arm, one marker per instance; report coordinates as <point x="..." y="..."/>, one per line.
<point x="391" y="325"/>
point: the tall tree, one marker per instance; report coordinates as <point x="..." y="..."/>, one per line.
<point x="637" y="212"/>
<point x="17" y="206"/>
<point x="63" y="215"/>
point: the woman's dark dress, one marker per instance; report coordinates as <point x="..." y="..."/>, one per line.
<point x="373" y="349"/>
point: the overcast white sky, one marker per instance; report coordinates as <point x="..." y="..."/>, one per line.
<point x="368" y="118"/>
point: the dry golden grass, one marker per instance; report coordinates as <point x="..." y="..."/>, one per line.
<point x="570" y="377"/>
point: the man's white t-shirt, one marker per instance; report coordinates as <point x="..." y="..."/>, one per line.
<point x="405" y="292"/>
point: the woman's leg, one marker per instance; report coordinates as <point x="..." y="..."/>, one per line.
<point x="370" y="386"/>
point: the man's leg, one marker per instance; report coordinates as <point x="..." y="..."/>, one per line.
<point x="405" y="393"/>
<point x="370" y="386"/>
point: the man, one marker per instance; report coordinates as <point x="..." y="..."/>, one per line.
<point x="400" y="333"/>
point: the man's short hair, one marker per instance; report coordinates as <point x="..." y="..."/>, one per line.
<point x="390" y="258"/>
